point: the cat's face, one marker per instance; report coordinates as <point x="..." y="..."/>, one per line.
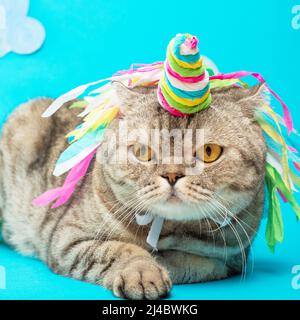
<point x="228" y="161"/>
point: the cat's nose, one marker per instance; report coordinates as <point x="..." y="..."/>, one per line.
<point x="172" y="177"/>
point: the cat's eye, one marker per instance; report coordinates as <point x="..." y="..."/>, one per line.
<point x="143" y="152"/>
<point x="209" y="153"/>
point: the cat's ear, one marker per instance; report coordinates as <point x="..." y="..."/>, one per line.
<point x="128" y="98"/>
<point x="124" y="95"/>
<point x="253" y="98"/>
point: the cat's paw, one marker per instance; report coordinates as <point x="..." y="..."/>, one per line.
<point x="142" y="279"/>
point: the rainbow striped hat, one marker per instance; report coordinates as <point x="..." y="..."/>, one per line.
<point x="184" y="87"/>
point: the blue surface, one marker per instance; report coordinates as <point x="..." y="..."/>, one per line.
<point x="91" y="40"/>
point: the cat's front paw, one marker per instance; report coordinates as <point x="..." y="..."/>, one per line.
<point x="142" y="279"/>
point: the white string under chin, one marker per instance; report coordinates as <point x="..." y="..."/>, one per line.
<point x="155" y="229"/>
<point x="157" y="224"/>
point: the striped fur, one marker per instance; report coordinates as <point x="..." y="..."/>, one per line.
<point x="95" y="238"/>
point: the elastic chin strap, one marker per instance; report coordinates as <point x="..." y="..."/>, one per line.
<point x="157" y="224"/>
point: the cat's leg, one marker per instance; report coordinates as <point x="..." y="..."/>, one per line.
<point x="126" y="269"/>
<point x="188" y="268"/>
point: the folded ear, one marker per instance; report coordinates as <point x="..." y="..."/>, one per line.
<point x="124" y="96"/>
<point x="129" y="98"/>
<point x="257" y="93"/>
<point x="253" y="98"/>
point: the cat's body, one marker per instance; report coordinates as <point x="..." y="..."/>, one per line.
<point x="94" y="237"/>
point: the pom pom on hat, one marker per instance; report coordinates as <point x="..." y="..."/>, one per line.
<point x="184" y="87"/>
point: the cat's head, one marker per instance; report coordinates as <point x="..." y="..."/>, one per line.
<point x="224" y="168"/>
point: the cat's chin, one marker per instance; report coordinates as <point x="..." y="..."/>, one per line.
<point x="174" y="208"/>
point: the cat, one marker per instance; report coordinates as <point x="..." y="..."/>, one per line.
<point x="95" y="238"/>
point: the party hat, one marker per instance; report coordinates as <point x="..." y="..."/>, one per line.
<point x="184" y="87"/>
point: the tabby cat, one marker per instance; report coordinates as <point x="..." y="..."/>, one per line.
<point x="95" y="236"/>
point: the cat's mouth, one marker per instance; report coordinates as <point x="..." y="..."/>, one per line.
<point x="174" y="199"/>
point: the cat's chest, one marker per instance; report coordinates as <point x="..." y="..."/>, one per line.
<point x="185" y="236"/>
<point x="197" y="230"/>
<point x="199" y="238"/>
<point x="197" y="246"/>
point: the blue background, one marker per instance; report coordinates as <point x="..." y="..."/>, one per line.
<point x="89" y="40"/>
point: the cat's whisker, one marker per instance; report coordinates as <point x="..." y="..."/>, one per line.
<point x="242" y="221"/>
<point x="220" y="229"/>
<point x="219" y="211"/>
<point x="249" y="240"/>
<point x="124" y="216"/>
<point x="122" y="206"/>
<point x="136" y="208"/>
<point x="244" y="258"/>
<point x="237" y="220"/>
<point x="211" y="230"/>
<point x="97" y="237"/>
<point x="139" y="226"/>
<point x="233" y="203"/>
<point x="254" y="231"/>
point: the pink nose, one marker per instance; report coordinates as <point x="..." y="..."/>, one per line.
<point x="172" y="177"/>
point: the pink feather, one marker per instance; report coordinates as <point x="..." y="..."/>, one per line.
<point x="64" y="193"/>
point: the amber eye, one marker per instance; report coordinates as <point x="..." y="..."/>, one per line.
<point x="209" y="152"/>
<point x="143" y="152"/>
